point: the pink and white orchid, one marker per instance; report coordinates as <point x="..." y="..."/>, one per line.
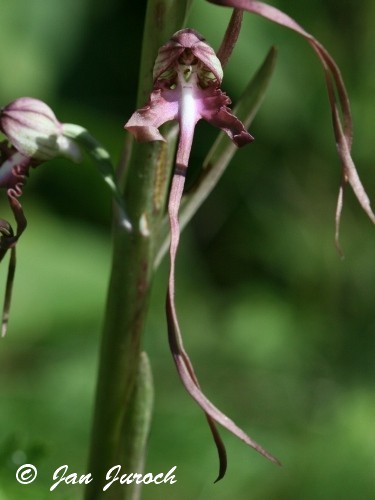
<point x="187" y="78"/>
<point x="34" y="135"/>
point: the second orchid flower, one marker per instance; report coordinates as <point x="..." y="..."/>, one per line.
<point x="187" y="78"/>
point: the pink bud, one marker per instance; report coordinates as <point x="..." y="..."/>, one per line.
<point x="33" y="129"/>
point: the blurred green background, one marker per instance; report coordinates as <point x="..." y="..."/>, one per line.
<point x="281" y="330"/>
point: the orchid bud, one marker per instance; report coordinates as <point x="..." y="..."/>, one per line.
<point x="33" y="129"/>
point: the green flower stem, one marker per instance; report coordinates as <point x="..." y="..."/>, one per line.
<point x="136" y="427"/>
<point x="127" y="303"/>
<point x="119" y="416"/>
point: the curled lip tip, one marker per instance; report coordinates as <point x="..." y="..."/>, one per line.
<point x="338" y="100"/>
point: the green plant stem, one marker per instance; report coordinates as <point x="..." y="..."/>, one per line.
<point x="137" y="424"/>
<point x="127" y="304"/>
<point x="119" y="416"/>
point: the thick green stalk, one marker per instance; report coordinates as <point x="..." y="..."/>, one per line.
<point x="127" y="303"/>
<point x="136" y="425"/>
<point x="118" y="406"/>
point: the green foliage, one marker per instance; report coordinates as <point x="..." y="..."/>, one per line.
<point x="279" y="328"/>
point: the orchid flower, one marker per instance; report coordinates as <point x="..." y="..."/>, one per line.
<point x="338" y="100"/>
<point x="34" y="136"/>
<point x="187" y="76"/>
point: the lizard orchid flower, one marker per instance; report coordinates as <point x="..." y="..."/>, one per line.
<point x="187" y="77"/>
<point x="34" y="135"/>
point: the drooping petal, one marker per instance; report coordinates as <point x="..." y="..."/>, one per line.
<point x="188" y="116"/>
<point x="329" y="65"/>
<point x="161" y="108"/>
<point x="343" y="126"/>
<point x="210" y="104"/>
<point x="215" y="110"/>
<point x="182" y="361"/>
<point x="190" y="383"/>
<point x="174" y="334"/>
<point x="350" y="175"/>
